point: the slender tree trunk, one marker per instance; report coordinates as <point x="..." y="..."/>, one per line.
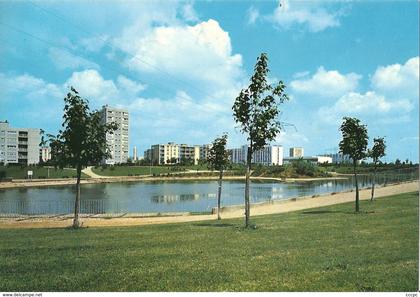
<point x="77" y="201"/>
<point x="357" y="186"/>
<point x="247" y="180"/>
<point x="373" y="184"/>
<point x="219" y="194"/>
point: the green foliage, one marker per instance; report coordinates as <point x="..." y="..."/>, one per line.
<point x="256" y="109"/>
<point x="218" y="158"/>
<point x="82" y="142"/>
<point x="378" y="149"/>
<point x="322" y="249"/>
<point x="355" y="139"/>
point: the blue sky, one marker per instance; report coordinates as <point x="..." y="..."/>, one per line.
<point x="178" y="66"/>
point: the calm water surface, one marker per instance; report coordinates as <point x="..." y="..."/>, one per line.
<point x="151" y="197"/>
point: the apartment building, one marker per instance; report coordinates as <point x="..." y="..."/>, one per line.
<point x="44" y="154"/>
<point x="19" y="145"/>
<point x="339" y="158"/>
<point x="268" y="155"/>
<point x="172" y="153"/>
<point x="117" y="141"/>
<point x="296" y="152"/>
<point x="205" y="151"/>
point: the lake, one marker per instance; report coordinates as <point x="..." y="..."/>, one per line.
<point x="164" y="196"/>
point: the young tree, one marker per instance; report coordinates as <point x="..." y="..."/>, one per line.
<point x="256" y="110"/>
<point x="82" y="142"/>
<point x="377" y="152"/>
<point x="218" y="159"/>
<point x="354" y="144"/>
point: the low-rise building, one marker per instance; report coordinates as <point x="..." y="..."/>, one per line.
<point x="19" y="145"/>
<point x="339" y="158"/>
<point x="312" y="159"/>
<point x="172" y="153"/>
<point x="268" y="155"/>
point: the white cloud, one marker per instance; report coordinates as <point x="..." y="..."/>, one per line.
<point x="398" y="79"/>
<point x="369" y="103"/>
<point x="91" y="85"/>
<point x="63" y="59"/>
<point x="201" y="54"/>
<point x="312" y="15"/>
<point x="326" y="83"/>
<point x="252" y="15"/>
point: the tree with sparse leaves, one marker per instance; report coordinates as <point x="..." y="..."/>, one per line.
<point x="256" y="110"/>
<point x="376" y="153"/>
<point x="81" y="142"/>
<point x="218" y="159"/>
<point x="354" y="144"/>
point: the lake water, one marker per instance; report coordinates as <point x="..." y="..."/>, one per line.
<point x="168" y="196"/>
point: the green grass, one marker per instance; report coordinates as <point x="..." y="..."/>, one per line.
<point x="133" y="170"/>
<point x="18" y="172"/>
<point x="325" y="249"/>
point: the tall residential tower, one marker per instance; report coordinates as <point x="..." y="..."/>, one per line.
<point x="118" y="141"/>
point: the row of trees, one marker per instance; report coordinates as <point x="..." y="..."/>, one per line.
<point x="82" y="140"/>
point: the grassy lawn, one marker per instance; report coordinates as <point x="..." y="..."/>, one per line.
<point x="144" y="170"/>
<point x="325" y="249"/>
<point x="131" y="170"/>
<point x="18" y="172"/>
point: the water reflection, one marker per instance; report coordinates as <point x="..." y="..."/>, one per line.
<point x="168" y="196"/>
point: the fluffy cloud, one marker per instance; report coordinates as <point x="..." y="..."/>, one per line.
<point x="201" y="54"/>
<point x="311" y="15"/>
<point x="398" y="79"/>
<point x="98" y="90"/>
<point x="325" y="83"/>
<point x="363" y="104"/>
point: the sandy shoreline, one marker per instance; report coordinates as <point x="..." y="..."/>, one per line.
<point x="228" y="212"/>
<point x="71" y="181"/>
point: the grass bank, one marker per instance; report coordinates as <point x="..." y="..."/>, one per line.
<point x="20" y="172"/>
<point x="324" y="249"/>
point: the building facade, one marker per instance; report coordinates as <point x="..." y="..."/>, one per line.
<point x="312" y="159"/>
<point x="268" y="155"/>
<point x="19" y="145"/>
<point x="44" y="154"/>
<point x="296" y="152"/>
<point x="339" y="158"/>
<point x="172" y="153"/>
<point x="117" y="141"/>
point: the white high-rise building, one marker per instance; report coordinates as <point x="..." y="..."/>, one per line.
<point x="19" y="145"/>
<point x="117" y="141"/>
<point x="268" y="155"/>
<point x="135" y="153"/>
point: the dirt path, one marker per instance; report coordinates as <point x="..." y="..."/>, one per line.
<point x="89" y="172"/>
<point x="229" y="212"/>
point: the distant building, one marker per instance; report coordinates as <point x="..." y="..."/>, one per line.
<point x="19" y="145"/>
<point x="117" y="141"/>
<point x="44" y="154"/>
<point x="339" y="158"/>
<point x="134" y="153"/>
<point x="173" y="153"/>
<point x="296" y="152"/>
<point x="205" y="151"/>
<point x="312" y="159"/>
<point x="268" y="155"/>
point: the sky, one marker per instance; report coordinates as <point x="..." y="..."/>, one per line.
<point x="178" y="66"/>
